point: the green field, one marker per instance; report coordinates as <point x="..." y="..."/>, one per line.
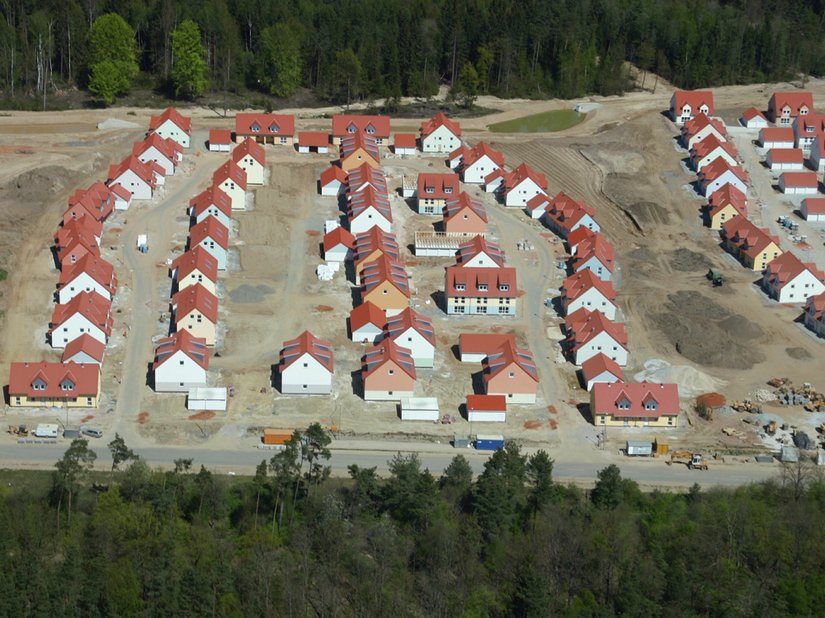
<point x="556" y="120"/>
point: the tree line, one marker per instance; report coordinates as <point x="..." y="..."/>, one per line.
<point x="290" y="541"/>
<point x="388" y="48"/>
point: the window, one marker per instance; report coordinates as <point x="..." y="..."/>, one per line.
<point x="255" y="128"/>
<point x="624" y="404"/>
<point x="481" y="309"/>
<point x="180" y="363"/>
<point x="460" y="287"/>
<point x="429" y="190"/>
<point x="458" y="309"/>
<point x="482" y="287"/>
<point x="283" y="140"/>
<point x="650" y="404"/>
<point x="670" y="420"/>
<point x="303" y="385"/>
<point x="306" y="364"/>
<point x="448" y="190"/>
<point x="511" y="374"/>
<point x="504" y="310"/>
<point x="180" y="383"/>
<point x="503" y="287"/>
<point x="391" y="372"/>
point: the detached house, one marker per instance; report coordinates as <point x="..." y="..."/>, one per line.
<point x="366" y="323"/>
<point x="87" y="313"/>
<point x="75" y="246"/>
<point x="231" y="179"/>
<point x="752" y="118"/>
<point x="412" y="330"/>
<point x="265" y="128"/>
<point x="249" y="155"/>
<point x="486" y="408"/>
<point x="584" y="290"/>
<point x="511" y="371"/>
<point x="753" y="246"/>
<point x="596" y="255"/>
<point x="434" y="190"/>
<point x="725" y="204"/>
<point x="479" y="253"/>
<point x="213" y="236"/>
<point x="404" y="144"/>
<point x="440" y="134"/>
<point x="474" y="348"/>
<point x="590" y="333"/>
<point x="375" y="127"/>
<point x="89" y="274"/>
<point x="816" y="158"/>
<point x="481" y="291"/>
<point x="815" y="314"/>
<point x="363" y="176"/>
<point x="719" y="173"/>
<point x="464" y="216"/>
<point x="368" y="209"/>
<point x="806" y="129"/>
<point x="54" y="385"/>
<point x="371" y="245"/>
<point x="386" y="285"/>
<point x="167" y="153"/>
<point x="196" y="266"/>
<point x="627" y="404"/>
<point x="480" y="162"/>
<point x="388" y="372"/>
<point x="305" y="366"/>
<point x="537" y="206"/>
<point x="196" y="311"/>
<point x="788" y="280"/>
<point x="135" y="176"/>
<point x="701" y="127"/>
<point x="211" y="203"/>
<point x="523" y="184"/>
<point x="601" y="369"/>
<point x="171" y="124"/>
<point x="564" y="215"/>
<point x="85" y="350"/>
<point x="783" y="107"/>
<point x="358" y="149"/>
<point x="710" y="149"/>
<point x="338" y="245"/>
<point x="686" y="104"/>
<point x="333" y="181"/>
<point x="98" y="201"/>
<point x="181" y="363"/>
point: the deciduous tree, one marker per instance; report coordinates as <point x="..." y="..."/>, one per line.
<point x="112" y="57"/>
<point x="189" y="68"/>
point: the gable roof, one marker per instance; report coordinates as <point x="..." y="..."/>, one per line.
<point x="710" y="143"/>
<point x="606" y="397"/>
<point x="143" y="171"/>
<point x="195" y="298"/>
<point x="387" y="351"/>
<point x="169" y="148"/>
<point x="185" y="342"/>
<point x="85" y="344"/>
<point x="776" y="134"/>
<point x="717" y="168"/>
<point x="578" y="283"/>
<point x="280" y="125"/>
<point x="77" y="245"/>
<point x="210" y="227"/>
<point x="366" y="174"/>
<point x="454" y="207"/>
<point x="583" y="326"/>
<point x="438" y="186"/>
<point x="479" y="244"/>
<point x="751" y="113"/>
<point x="486" y="343"/>
<point x="794" y="100"/>
<point x="786" y="155"/>
<point x="90" y="305"/>
<point x="359" y="141"/>
<point x="596" y="246"/>
<point x="347" y="124"/>
<point x="787" y="267"/>
<point x="220" y="136"/>
<point x="480" y="150"/>
<point x="439" y="120"/>
<point x="251" y="148"/>
<point x="363" y="199"/>
<point x="565" y="212"/>
<point x="339" y="236"/>
<point x="815" y="306"/>
<point x="86" y="226"/>
<point x="313" y="139"/>
<point x="118" y="190"/>
<point x="694" y="98"/>
<point x="701" y="121"/>
<point x="376" y="239"/>
<point x="384" y="269"/>
<point x="96" y="267"/>
<point x="582" y="233"/>
<point x="496" y="403"/>
<point x="815" y="205"/>
<point x="728" y="194"/>
<point x="367" y="313"/>
<point x="410" y="319"/>
<point x="405" y="140"/>
<point x="170" y="113"/>
<point x="509" y="354"/>
<point x="746" y="237"/>
<point x="198" y="259"/>
<point x="85" y="377"/>
<point x="214" y="195"/>
<point x="230" y="171"/>
<point x="520" y="174"/>
<point x="599" y="364"/>
<point x="333" y="172"/>
<point x="306" y="343"/>
<point x="472" y="278"/>
<point x="97" y="199"/>
<point x="799" y="179"/>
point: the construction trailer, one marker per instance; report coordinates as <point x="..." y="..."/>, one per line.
<point x="419" y="409"/>
<point x="638" y="448"/>
<point x="488" y="442"/>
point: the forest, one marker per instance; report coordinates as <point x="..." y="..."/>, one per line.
<point x="291" y="541"/>
<point x="365" y="49"/>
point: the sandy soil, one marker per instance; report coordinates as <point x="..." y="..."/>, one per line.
<point x="621" y="160"/>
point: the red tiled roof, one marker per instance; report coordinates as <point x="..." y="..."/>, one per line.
<point x="473" y="277"/>
<point x="540" y="200"/>
<point x="211" y="196"/>
<point x="170" y="113"/>
<point x="596" y="246"/>
<point x="366" y="174"/>
<point x="478" y="244"/>
<point x="404" y="140"/>
<point x="267" y="125"/>
<point x="347" y="124"/>
<point x="799" y="179"/>
<point x="794" y="100"/>
<point x="746" y="237"/>
<point x="699" y="122"/>
<point x="195" y="298"/>
<point x="428" y="126"/>
<point x="507" y="355"/>
<point x="376" y="239"/>
<point x="362" y="200"/>
<point x="306" y="343"/>
<point x="185" y="342"/>
<point x="210" y="227"/>
<point x="84" y="344"/>
<point x="97" y="200"/>
<point x="249" y="147"/>
<point x="787" y="267"/>
<point x="96" y="267"/>
<point x="438" y="186"/>
<point x="581" y="234"/>
<point x="90" y="305"/>
<point x="359" y="141"/>
<point x="458" y="153"/>
<point x="220" y="136"/>
<point x="583" y="325"/>
<point x="776" y="134"/>
<point x="386" y="351"/>
<point x="487" y="343"/>
<point x="77" y="246"/>
<point x="86" y="226"/>
<point x="598" y="364"/>
<point x="230" y="171"/>
<point x="635" y="400"/>
<point x="339" y="236"/>
<point x="786" y="155"/>
<point x="751" y="113"/>
<point x="84" y="378"/>
<point x="122" y="192"/>
<point x="694" y="98"/>
<point x="710" y="143"/>
<point x="520" y="174"/>
<point x="717" y="167"/>
<point x="815" y="306"/>
<point x="313" y="139"/>
<point x="333" y="172"/>
<point x="480" y="150"/>
<point x="578" y="283"/>
<point x="169" y="148"/>
<point x="486" y="403"/>
<point x="565" y="212"/>
<point x="196" y="259"/>
<point x="815" y="205"/>
<point x="728" y="194"/>
<point x="367" y="313"/>
<point x="384" y="269"/>
<point x="409" y="319"/>
<point x="455" y="206"/>
<point x="142" y="170"/>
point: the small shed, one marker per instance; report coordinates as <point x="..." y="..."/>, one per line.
<point x="460" y="441"/>
<point x="752" y="118"/>
<point x="313" y="140"/>
<point x="486" y="408"/>
<point x="813" y="209"/>
<point x="220" y="140"/>
<point x="409" y="184"/>
<point x="789" y="454"/>
<point x="799" y="183"/>
<point x="404" y="144"/>
<point x="419" y="409"/>
<point x="639" y="448"/>
<point x="785" y="160"/>
<point x="206" y="398"/>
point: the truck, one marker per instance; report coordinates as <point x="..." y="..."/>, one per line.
<point x="488" y="442"/>
<point x="45" y="430"/>
<point x="638" y="448"/>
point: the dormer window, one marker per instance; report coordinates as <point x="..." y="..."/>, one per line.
<point x="370" y="129"/>
<point x="448" y="190"/>
<point x="482" y="287"/>
<point x="255" y="128"/>
<point x="39" y="385"/>
<point x="429" y="190"/>
<point x="460" y="287"/>
<point x="650" y="404"/>
<point x="503" y="287"/>
<point x="274" y="128"/>
<point x="67" y="385"/>
<point x="624" y="404"/>
<point x="352" y="128"/>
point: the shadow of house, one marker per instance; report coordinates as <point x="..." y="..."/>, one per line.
<point x="357" y="383"/>
<point x="440" y="300"/>
<point x="275" y="376"/>
<point x="150" y="375"/>
<point x="456" y="350"/>
<point x="584" y="410"/>
<point x="478" y="383"/>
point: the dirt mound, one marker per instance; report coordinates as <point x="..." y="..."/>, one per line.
<point x="648" y="214"/>
<point x="36" y="185"/>
<point x="798" y="353"/>
<point x="690" y="380"/>
<point x="685" y="260"/>
<point x="711" y="400"/>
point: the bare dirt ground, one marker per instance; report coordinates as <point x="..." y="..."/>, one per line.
<point x="621" y="160"/>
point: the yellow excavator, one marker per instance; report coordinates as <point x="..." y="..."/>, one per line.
<point x="694" y="461"/>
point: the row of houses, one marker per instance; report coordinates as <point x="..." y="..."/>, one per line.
<point x="82" y="319"/>
<point x="783" y="108"/>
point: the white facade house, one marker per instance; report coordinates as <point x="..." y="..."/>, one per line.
<point x="411" y="330"/>
<point x="441" y="139"/>
<point x="798" y="183"/>
<point x="250" y="157"/>
<point x="152" y="154"/>
<point x="593" y="299"/>
<point x="139" y="187"/>
<point x="602" y="343"/>
<point x="73" y="327"/>
<point x="790" y="281"/>
<point x="478" y="170"/>
<point x="231" y="179"/>
<point x="719" y="151"/>
<point x="306" y="366"/>
<point x="83" y="282"/>
<point x="601" y="369"/>
<point x="169" y="130"/>
<point x="785" y="160"/>
<point x="367" y="219"/>
<point x="752" y="118"/>
<point x="486" y="408"/>
<point x="728" y="177"/>
<point x="817" y="156"/>
<point x="595" y="264"/>
<point x="180" y="367"/>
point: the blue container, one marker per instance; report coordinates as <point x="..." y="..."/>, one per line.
<point x="489" y="443"/>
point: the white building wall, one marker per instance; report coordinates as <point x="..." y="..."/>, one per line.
<point x="153" y="154"/>
<point x="368" y="219"/>
<point x="486" y="416"/>
<point x="523" y="193"/>
<point x="254" y="170"/>
<point x="236" y="194"/>
<point x="386" y="395"/>
<point x="799" y="289"/>
<point x="602" y="344"/>
<point x="332" y="189"/>
<point x="339" y="253"/>
<point x="441" y="140"/>
<point x="82" y="283"/>
<point x="73" y="328"/>
<point x="596" y="267"/>
<point x="216" y="251"/>
<point x="169" y="130"/>
<point x="724" y="179"/>
<point x="516" y="398"/>
<point x="605" y="377"/>
<point x="130" y="181"/>
<point x="218" y="214"/>
<point x="82" y="358"/>
<point x="478" y="171"/>
<point x="422" y="351"/>
<point x="306" y="376"/>
<point x="593" y="300"/>
<point x="369" y="333"/>
<point x="178" y="374"/>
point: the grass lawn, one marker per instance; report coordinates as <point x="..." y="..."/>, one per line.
<point x="556" y="120"/>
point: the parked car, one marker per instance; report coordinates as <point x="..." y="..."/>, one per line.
<point x="92" y="432"/>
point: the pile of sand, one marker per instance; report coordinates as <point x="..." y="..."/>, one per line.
<point x="690" y="380"/>
<point x="116" y="123"/>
